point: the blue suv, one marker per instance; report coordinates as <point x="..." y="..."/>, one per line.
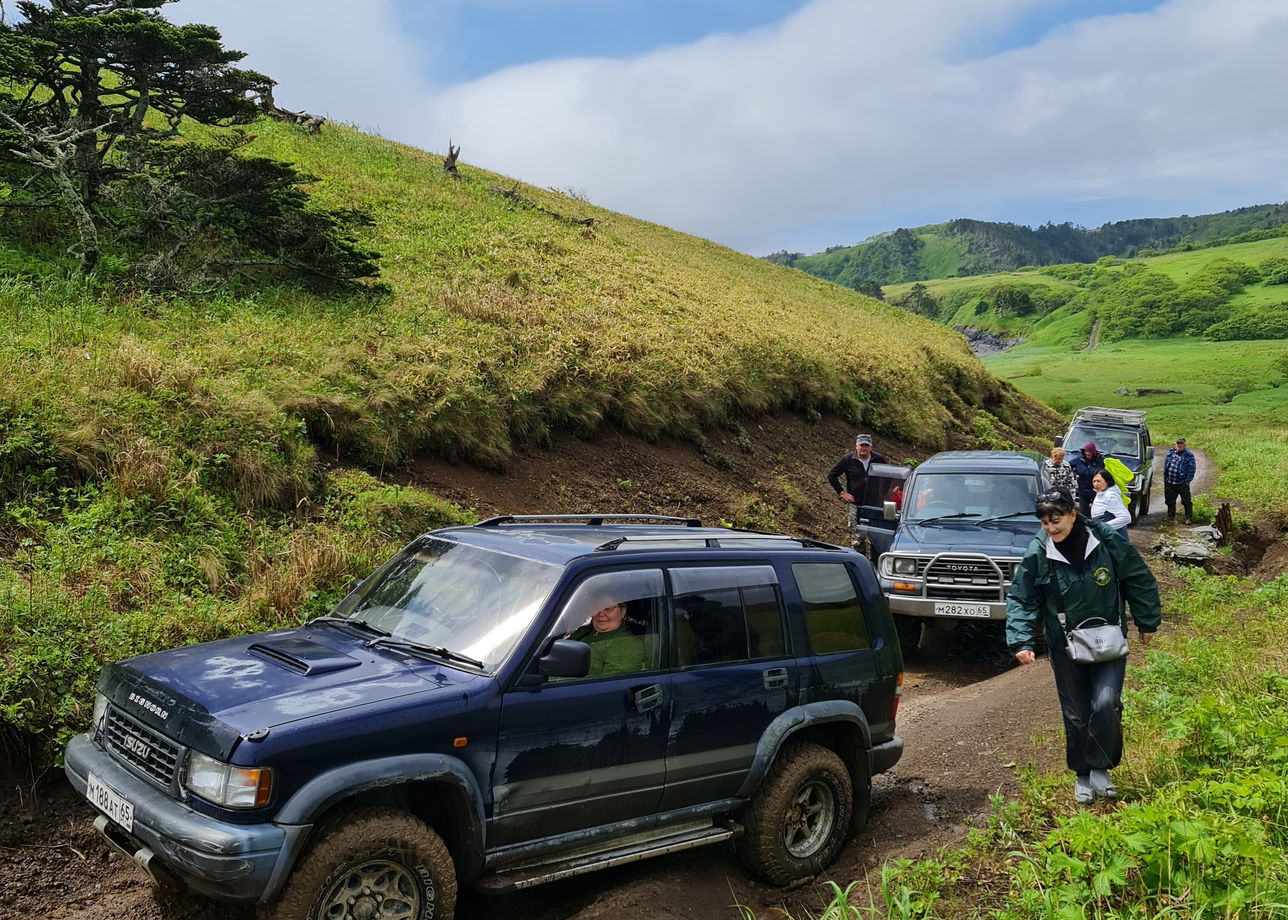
<point x="505" y="704"/>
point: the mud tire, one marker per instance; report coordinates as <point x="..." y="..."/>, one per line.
<point x="382" y="855"/>
<point x="798" y="819"/>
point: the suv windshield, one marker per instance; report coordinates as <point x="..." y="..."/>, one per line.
<point x="1116" y="441"/>
<point x="470" y="601"/>
<point x="971" y="495"/>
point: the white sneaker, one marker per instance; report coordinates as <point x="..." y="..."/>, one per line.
<point x="1082" y="791"/>
<point x="1102" y="785"/>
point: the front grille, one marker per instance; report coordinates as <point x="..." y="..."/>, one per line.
<point x="967" y="577"/>
<point x="150" y="754"/>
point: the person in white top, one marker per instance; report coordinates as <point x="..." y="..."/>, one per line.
<point x="1108" y="506"/>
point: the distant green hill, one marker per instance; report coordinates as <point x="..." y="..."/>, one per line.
<point x="1236" y="291"/>
<point x="976" y="247"/>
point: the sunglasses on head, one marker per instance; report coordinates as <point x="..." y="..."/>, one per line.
<point x="1054" y="497"/>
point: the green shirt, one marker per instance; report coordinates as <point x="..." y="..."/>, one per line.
<point x="612" y="652"/>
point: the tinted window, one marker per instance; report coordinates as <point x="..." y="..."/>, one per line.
<point x="833" y="614"/>
<point x="727" y="614"/>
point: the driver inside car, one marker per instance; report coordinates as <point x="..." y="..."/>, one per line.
<point x="614" y="649"/>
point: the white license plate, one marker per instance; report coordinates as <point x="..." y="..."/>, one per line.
<point x="961" y="610"/>
<point x="115" y="806"/>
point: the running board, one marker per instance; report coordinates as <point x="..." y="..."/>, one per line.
<point x="530" y="875"/>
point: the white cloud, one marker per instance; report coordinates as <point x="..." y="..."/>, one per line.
<point x="850" y="113"/>
<point x="350" y="62"/>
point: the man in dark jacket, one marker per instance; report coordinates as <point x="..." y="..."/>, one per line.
<point x="1084" y="467"/>
<point x="1178" y="473"/>
<point x="854" y="467"/>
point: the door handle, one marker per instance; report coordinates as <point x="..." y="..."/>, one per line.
<point x="774" y="678"/>
<point x="646" y="698"/>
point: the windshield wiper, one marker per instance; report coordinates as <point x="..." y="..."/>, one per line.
<point x="348" y="621"/>
<point x="943" y="517"/>
<point x="421" y="649"/>
<point x="1003" y="517"/>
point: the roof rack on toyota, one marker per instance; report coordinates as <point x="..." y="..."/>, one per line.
<point x="714" y="542"/>
<point x="1118" y="416"/>
<point x="594" y="520"/>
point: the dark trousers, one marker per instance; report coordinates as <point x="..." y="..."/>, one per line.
<point x="1091" y="704"/>
<point x="1084" y="504"/>
<point x="1172" y="490"/>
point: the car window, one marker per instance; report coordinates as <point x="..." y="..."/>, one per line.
<point x="617" y="614"/>
<point x="727" y="613"/>
<point x="833" y="613"/>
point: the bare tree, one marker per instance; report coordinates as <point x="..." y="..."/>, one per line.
<point x="53" y="151"/>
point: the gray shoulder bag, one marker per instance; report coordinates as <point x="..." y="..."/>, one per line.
<point x="1093" y="640"/>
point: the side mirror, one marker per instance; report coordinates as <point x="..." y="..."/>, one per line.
<point x="889" y="511"/>
<point x="1149" y="454"/>
<point x="566" y="658"/>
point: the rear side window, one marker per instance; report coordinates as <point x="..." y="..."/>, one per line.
<point x="729" y="613"/>
<point x="833" y="613"/>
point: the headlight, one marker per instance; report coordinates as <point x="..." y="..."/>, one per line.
<point x="904" y="566"/>
<point x="227" y="785"/>
<point x="100" y="712"/>
<point x="1137" y="483"/>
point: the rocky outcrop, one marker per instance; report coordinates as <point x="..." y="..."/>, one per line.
<point x="985" y="342"/>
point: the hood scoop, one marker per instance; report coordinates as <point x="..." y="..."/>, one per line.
<point x="303" y="656"/>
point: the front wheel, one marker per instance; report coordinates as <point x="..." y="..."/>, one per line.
<point x="370" y="863"/>
<point x="797" y="821"/>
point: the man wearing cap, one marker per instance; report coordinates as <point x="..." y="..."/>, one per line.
<point x="854" y="467"/>
<point x="1178" y="473"/>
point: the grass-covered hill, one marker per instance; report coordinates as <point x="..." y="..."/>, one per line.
<point x="173" y="468"/>
<point x="976" y="247"/>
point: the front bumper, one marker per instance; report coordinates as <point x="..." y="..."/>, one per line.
<point x="912" y="605"/>
<point x="238" y="863"/>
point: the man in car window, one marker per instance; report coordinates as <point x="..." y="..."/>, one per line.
<point x="613" y="647"/>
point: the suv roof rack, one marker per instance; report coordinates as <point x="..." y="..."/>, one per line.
<point x="594" y="520"/>
<point x="740" y="536"/>
<point x="1113" y="416"/>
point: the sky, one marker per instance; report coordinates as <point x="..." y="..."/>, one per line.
<point x="802" y="124"/>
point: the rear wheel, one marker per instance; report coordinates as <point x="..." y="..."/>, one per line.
<point x="370" y="863"/>
<point x="797" y="821"/>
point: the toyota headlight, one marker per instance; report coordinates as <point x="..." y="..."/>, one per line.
<point x="904" y="566"/>
<point x="228" y="785"/>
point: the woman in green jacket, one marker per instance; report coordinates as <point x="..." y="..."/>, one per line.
<point x="1083" y="569"/>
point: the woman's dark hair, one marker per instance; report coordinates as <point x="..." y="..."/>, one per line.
<point x="1056" y="500"/>
<point x="1104" y="474"/>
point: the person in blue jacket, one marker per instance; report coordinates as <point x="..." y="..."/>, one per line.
<point x="1178" y="473"/>
<point x="1084" y="466"/>
<point x="1082" y="569"/>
